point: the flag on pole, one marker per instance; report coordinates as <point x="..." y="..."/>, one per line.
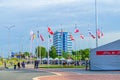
<point x="41" y="37"/>
<point x="76" y="30"/>
<point x="81" y="36"/>
<point x="98" y="33"/>
<point x="90" y="33"/>
<point x="71" y="37"/>
<point x="102" y="34"/>
<point x="50" y="31"/>
<point x="50" y="38"/>
<point x="32" y="35"/>
<point x="37" y="34"/>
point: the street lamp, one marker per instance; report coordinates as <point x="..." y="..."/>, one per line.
<point x="9" y="28"/>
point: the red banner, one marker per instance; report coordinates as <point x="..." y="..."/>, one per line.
<point x="114" y="52"/>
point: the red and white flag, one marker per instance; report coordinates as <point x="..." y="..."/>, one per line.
<point x="50" y="31"/>
<point x="71" y="37"/>
<point x="76" y="30"/>
<point x="81" y="36"/>
<point x="90" y="33"/>
<point x="41" y="37"/>
<point x="98" y="33"/>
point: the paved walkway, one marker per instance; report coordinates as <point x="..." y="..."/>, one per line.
<point x="73" y="76"/>
<point x="80" y="75"/>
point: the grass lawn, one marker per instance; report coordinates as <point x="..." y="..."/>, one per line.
<point x="60" y="66"/>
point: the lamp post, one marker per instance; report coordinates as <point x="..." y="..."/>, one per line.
<point x="9" y="28"/>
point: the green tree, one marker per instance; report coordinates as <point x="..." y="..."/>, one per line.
<point x="64" y="54"/>
<point x="73" y="52"/>
<point x="76" y="55"/>
<point x="40" y="51"/>
<point x="84" y="54"/>
<point x="87" y="53"/>
<point x="53" y="53"/>
<point x="26" y="54"/>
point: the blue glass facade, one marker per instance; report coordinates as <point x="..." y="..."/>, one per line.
<point x="62" y="42"/>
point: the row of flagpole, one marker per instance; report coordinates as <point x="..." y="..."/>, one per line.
<point x="99" y="34"/>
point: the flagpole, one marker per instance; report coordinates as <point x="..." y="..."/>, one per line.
<point x="76" y="47"/>
<point x="48" y="53"/>
<point x="31" y="46"/>
<point x="96" y="22"/>
<point x="40" y="56"/>
<point x="37" y="44"/>
<point x="61" y="33"/>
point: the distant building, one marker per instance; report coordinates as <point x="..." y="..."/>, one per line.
<point x="62" y="42"/>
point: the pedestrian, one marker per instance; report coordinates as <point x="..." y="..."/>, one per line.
<point x="23" y="64"/>
<point x="86" y="63"/>
<point x="18" y="65"/>
<point x="4" y="64"/>
<point x="35" y="64"/>
<point x="15" y="64"/>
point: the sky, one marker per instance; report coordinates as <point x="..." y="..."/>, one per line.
<point x="27" y="15"/>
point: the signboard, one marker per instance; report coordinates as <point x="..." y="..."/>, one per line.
<point x="112" y="52"/>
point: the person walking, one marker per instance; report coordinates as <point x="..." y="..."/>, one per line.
<point x="35" y="64"/>
<point x="15" y="64"/>
<point x="18" y="64"/>
<point x="23" y="64"/>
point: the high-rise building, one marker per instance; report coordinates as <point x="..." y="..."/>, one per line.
<point x="62" y="42"/>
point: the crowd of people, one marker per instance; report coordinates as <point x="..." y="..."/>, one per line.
<point x="18" y="65"/>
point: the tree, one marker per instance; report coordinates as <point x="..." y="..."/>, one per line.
<point x="40" y="51"/>
<point x="53" y="53"/>
<point x="26" y="54"/>
<point x="85" y="53"/>
<point x="76" y="55"/>
<point x="66" y="55"/>
<point x="73" y="52"/>
<point x="81" y="54"/>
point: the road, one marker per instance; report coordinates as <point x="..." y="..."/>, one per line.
<point x="22" y="74"/>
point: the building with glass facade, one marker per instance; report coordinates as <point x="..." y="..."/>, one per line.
<point x="62" y="42"/>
